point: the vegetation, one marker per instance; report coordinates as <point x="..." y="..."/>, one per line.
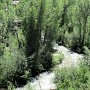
<point x="74" y="78"/>
<point x="57" y="58"/>
<point x="27" y="32"/>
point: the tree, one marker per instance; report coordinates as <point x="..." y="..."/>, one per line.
<point x="84" y="12"/>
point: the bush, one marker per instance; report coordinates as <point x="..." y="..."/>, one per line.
<point x="39" y="62"/>
<point x="71" y="79"/>
<point x="86" y="60"/>
<point x="12" y="70"/>
<point x="46" y="58"/>
<point x="57" y="58"/>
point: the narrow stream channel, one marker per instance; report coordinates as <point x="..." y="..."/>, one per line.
<point x="45" y="80"/>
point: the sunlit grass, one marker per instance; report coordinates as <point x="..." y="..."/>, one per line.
<point x="57" y="58"/>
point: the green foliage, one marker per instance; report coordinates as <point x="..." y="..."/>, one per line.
<point x="38" y="49"/>
<point x="46" y="58"/>
<point x="74" y="78"/>
<point x="28" y="49"/>
<point x="73" y="31"/>
<point x="11" y="86"/>
<point x="86" y="60"/>
<point x="57" y="58"/>
<point x="28" y="87"/>
<point x="12" y="68"/>
<point x="71" y="79"/>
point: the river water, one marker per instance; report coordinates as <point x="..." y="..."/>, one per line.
<point x="45" y="80"/>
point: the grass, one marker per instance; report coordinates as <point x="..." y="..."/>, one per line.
<point x="28" y="87"/>
<point x="57" y="58"/>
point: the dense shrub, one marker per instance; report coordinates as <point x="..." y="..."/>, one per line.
<point x="46" y="58"/>
<point x="12" y="70"/>
<point x="71" y="79"/>
<point x="86" y="60"/>
<point x="39" y="62"/>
